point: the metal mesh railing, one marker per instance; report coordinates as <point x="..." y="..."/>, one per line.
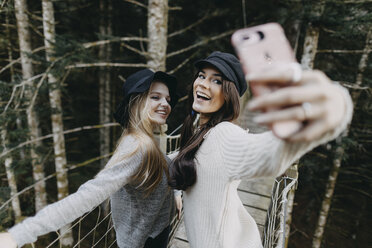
<point x="276" y="228"/>
<point x="95" y="228"/>
<point x="99" y="233"/>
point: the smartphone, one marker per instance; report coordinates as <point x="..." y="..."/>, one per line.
<point x="258" y="47"/>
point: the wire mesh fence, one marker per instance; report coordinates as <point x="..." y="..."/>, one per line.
<point x="93" y="229"/>
<point x="277" y="227"/>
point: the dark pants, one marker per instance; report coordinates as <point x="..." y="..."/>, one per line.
<point x="160" y="241"/>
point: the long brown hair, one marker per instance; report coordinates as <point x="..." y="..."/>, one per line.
<point x="153" y="164"/>
<point x="182" y="170"/>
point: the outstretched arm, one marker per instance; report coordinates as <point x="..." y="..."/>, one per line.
<point x="324" y="108"/>
<point x="88" y="196"/>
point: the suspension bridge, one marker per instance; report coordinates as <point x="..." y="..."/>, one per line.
<point x="269" y="202"/>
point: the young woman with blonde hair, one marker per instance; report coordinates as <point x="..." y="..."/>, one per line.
<point x="135" y="178"/>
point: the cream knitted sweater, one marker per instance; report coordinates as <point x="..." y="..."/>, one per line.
<point x="213" y="213"/>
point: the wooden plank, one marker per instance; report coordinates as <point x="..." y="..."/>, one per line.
<point x="177" y="243"/>
<point x="181" y="231"/>
<point x="258" y="215"/>
<point x="260" y="186"/>
<point x="261" y="229"/>
<point x="253" y="200"/>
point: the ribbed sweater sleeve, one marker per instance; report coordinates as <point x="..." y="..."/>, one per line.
<point x="88" y="196"/>
<point x="263" y="155"/>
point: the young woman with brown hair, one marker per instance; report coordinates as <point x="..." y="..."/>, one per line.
<point x="217" y="154"/>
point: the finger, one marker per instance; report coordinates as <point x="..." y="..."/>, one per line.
<point x="279" y="73"/>
<point x="292" y="113"/>
<point x="283" y="75"/>
<point x="287" y="96"/>
<point x="310" y="132"/>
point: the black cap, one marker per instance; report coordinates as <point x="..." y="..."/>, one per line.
<point x="229" y="66"/>
<point x="140" y="82"/>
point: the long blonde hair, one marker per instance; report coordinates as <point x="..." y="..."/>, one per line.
<point x="153" y="164"/>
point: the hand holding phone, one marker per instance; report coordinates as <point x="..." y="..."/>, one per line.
<point x="260" y="48"/>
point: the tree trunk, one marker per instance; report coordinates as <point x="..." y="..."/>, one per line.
<point x="12" y="182"/>
<point x="311" y="42"/>
<point x="104" y="54"/>
<point x="326" y="203"/>
<point x="104" y="77"/>
<point x="57" y="122"/>
<point x="32" y="119"/>
<point x="331" y="184"/>
<point x="157" y="29"/>
<point x="11" y="178"/>
<point x="310" y="47"/>
<point x="311" y="38"/>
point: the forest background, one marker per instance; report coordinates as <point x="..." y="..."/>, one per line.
<point x="63" y="63"/>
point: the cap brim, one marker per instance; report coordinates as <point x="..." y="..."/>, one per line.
<point x="203" y="63"/>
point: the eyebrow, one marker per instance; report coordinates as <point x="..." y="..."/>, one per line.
<point x="215" y="74"/>
<point x="159" y="93"/>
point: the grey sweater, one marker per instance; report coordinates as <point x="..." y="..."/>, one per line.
<point x="135" y="217"/>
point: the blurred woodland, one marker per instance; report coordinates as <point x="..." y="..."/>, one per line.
<point x="63" y="63"/>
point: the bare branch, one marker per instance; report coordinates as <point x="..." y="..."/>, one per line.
<point x="33" y="16"/>
<point x="2" y="4"/>
<point x="35" y="29"/>
<point x="135" y="50"/>
<point x="102" y="42"/>
<point x="136" y="3"/>
<point x="182" y="64"/>
<point x="355" y="87"/>
<point x="20" y="85"/>
<point x="8" y="25"/>
<point x="183" y="98"/>
<point x="203" y="42"/>
<point x="19" y="59"/>
<point x="51" y="135"/>
<point x="343" y="51"/>
<point x="32" y="102"/>
<point x="65" y="77"/>
<point x="121" y="78"/>
<point x="205" y="17"/>
<point x="104" y="64"/>
<point x="141" y="42"/>
<point x="85" y="45"/>
<point x="175" y="8"/>
<point x="364" y="58"/>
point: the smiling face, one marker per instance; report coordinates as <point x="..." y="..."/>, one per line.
<point x="158" y="103"/>
<point x="207" y="92"/>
